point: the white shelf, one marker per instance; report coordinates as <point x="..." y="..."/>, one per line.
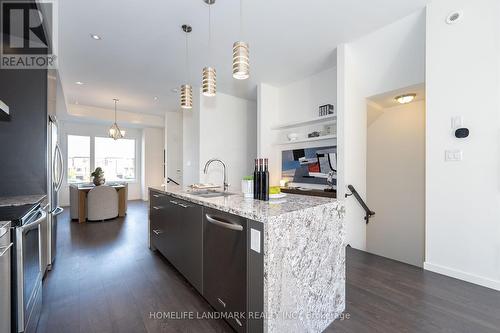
<point x="318" y="138"/>
<point x="311" y="121"/>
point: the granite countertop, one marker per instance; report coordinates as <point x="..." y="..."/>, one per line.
<point x="257" y="210"/>
<point x="22" y="200"/>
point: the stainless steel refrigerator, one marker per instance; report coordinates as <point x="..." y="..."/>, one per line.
<point x="55" y="179"/>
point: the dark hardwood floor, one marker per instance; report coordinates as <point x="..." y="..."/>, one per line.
<point x="387" y="296"/>
<point x="105" y="279"/>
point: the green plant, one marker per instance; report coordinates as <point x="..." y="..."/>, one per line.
<point x="248" y="178"/>
<point x="98" y="173"/>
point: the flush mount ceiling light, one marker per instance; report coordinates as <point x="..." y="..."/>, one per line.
<point x="186" y="89"/>
<point x="80" y="83"/>
<point x="209" y="79"/>
<point x="241" y="54"/>
<point x="96" y="37"/>
<point x="405" y="99"/>
<point x="114" y="131"/>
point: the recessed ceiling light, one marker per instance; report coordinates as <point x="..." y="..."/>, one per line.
<point x="96" y="37"/>
<point x="175" y="90"/>
<point x="80" y="83"/>
<point x="155" y="98"/>
<point x="406" y="98"/>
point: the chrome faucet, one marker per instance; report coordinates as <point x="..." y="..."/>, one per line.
<point x="226" y="185"/>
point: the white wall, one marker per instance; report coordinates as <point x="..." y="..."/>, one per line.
<point x="267" y="117"/>
<point x="300" y="100"/>
<point x="463" y="198"/>
<point x="152" y="159"/>
<point x="228" y="130"/>
<point x="385" y="60"/>
<point x="296" y="101"/>
<point x="191" y="142"/>
<point x="173" y="145"/>
<point x="396" y="182"/>
<point x="134" y="190"/>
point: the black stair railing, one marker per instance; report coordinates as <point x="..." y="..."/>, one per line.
<point x="171" y="180"/>
<point x="369" y="213"/>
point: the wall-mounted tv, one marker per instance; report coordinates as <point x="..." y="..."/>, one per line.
<point x="308" y="165"/>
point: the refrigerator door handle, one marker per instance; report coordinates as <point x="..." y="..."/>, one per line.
<point x="61" y="170"/>
<point x="54" y="163"/>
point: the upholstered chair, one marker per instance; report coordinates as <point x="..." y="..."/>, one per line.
<point x="102" y="203"/>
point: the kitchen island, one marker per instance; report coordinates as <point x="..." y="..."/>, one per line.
<point x="293" y="255"/>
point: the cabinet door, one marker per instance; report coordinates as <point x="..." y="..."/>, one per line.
<point x="224" y="263"/>
<point x="188" y="242"/>
<point x="156" y="225"/>
<point x="169" y="238"/>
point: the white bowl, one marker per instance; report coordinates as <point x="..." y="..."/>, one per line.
<point x="292" y="136"/>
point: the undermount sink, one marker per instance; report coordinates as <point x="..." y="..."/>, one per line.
<point x="211" y="194"/>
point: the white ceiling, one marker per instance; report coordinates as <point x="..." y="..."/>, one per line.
<point x="142" y="53"/>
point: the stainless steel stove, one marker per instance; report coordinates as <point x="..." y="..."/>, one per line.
<point x="26" y="272"/>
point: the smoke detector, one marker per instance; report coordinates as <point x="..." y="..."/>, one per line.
<point x="454" y="17"/>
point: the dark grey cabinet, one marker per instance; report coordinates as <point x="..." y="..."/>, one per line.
<point x="211" y="249"/>
<point x="157" y="221"/>
<point x="176" y="231"/>
<point x="225" y="264"/>
<point x="185" y="240"/>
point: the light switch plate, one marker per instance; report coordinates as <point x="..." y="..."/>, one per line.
<point x="453" y="155"/>
<point x="255" y="240"/>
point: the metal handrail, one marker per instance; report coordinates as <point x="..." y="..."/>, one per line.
<point x="171" y="180"/>
<point x="369" y="213"/>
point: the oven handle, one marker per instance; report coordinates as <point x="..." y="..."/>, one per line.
<point x="34" y="224"/>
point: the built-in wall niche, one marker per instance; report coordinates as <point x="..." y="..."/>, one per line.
<point x="295" y="108"/>
<point x="298" y="131"/>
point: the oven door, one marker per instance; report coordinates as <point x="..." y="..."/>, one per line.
<point x="29" y="273"/>
<point x="5" y="271"/>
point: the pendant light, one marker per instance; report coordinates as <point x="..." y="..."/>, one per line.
<point x="241" y="56"/>
<point x="114" y="131"/>
<point x="186" y="89"/>
<point x="209" y="80"/>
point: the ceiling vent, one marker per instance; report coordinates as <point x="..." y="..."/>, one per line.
<point x="454" y="17"/>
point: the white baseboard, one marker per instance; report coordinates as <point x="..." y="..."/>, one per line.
<point x="457" y="274"/>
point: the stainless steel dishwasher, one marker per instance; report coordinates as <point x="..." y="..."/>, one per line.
<point x="5" y="287"/>
<point x="225" y="264"/>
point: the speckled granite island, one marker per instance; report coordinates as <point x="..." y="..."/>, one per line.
<point x="303" y="256"/>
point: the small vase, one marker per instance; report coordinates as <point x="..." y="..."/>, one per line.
<point x="99" y="181"/>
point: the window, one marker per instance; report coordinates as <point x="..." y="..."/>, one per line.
<point x="116" y="158"/>
<point x="78" y="159"/>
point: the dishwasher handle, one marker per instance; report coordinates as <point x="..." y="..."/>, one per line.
<point x="224" y="224"/>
